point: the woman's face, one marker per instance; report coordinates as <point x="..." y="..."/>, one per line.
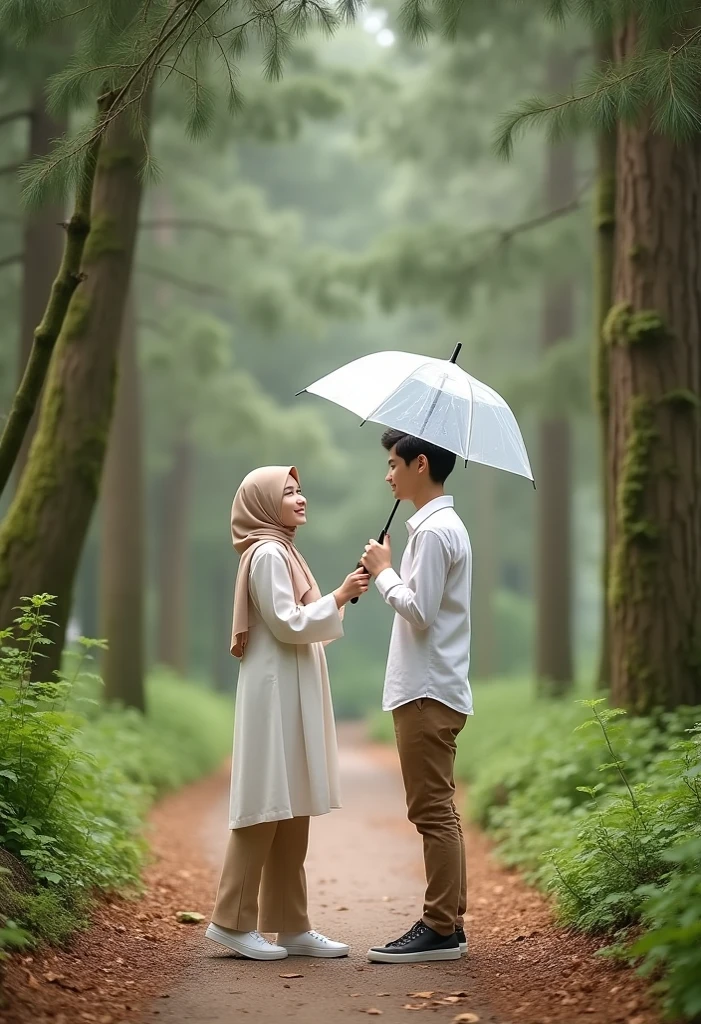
<point x="293" y="512"/>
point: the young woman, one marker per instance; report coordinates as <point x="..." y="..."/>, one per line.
<point x="285" y="767"/>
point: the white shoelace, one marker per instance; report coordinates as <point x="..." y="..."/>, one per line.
<point x="260" y="938"/>
<point x="321" y="938"/>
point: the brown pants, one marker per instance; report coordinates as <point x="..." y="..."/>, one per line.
<point x="426" y="732"/>
<point x="266" y="859"/>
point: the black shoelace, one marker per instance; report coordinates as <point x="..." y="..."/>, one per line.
<point x="414" y="932"/>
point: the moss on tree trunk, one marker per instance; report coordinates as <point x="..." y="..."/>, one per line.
<point x="43" y="246"/>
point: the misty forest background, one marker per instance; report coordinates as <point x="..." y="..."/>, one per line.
<point x="233" y="198"/>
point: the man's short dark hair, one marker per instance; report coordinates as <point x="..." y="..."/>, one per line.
<point x="440" y="462"/>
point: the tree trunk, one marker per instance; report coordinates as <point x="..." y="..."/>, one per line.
<point x="87" y="591"/>
<point x="605" y="223"/>
<point x="122" y="542"/>
<point x="485" y="573"/>
<point x="44" y="530"/>
<point x="43" y="245"/>
<point x="172" y="645"/>
<point x="48" y="332"/>
<point x="654" y="465"/>
<point x="554" y="577"/>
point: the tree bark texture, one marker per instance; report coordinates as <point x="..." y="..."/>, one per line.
<point x="122" y="538"/>
<point x="654" y="465"/>
<point x="43" y="533"/>
<point x="172" y="637"/>
<point x="43" y="246"/>
<point x="605" y="228"/>
<point x="554" y="669"/>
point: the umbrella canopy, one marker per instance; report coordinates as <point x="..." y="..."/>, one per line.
<point x="433" y="399"/>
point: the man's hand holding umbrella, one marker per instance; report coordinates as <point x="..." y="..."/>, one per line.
<point x="377" y="557"/>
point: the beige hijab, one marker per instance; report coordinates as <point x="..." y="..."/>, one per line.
<point x="255" y="520"/>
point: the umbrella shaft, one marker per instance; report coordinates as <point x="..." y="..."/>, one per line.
<point x="380" y="539"/>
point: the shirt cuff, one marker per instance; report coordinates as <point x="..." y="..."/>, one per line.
<point x="386" y="581"/>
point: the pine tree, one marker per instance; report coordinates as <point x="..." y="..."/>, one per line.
<point x="653" y="339"/>
<point x="43" y="532"/>
<point x="122" y="569"/>
<point x="554" y="660"/>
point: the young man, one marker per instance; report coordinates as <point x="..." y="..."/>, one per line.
<point x="426" y="685"/>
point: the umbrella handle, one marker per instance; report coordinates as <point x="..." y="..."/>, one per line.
<point x="380" y="540"/>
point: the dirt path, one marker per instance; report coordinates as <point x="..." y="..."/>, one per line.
<point x="137" y="964"/>
<point x="364" y="875"/>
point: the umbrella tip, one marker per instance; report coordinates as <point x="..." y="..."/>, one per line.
<point x="456" y="353"/>
<point x="302" y="392"/>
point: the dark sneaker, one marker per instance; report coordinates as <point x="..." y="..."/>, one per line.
<point x="419" y="944"/>
<point x="462" y="940"/>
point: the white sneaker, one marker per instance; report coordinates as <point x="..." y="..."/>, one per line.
<point x="312" y="944"/>
<point x="248" y="944"/>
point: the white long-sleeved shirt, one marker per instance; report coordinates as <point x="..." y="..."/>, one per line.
<point x="429" y="650"/>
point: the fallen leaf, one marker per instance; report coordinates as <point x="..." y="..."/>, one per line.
<point x="466" y="1018"/>
<point x="354" y="995"/>
<point x="189" y="917"/>
<point x="420" y="995"/>
<point x="414" y="1006"/>
<point x="32" y="981"/>
<point x="291" y="975"/>
<point x="384" y="993"/>
<point x="373" y="1012"/>
<point x="449" y="1000"/>
<point x="51" y="977"/>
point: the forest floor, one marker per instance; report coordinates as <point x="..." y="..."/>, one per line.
<point x="138" y="964"/>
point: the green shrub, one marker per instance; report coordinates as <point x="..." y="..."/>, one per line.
<point x="602" y="810"/>
<point x="187" y="732"/>
<point x="673" y="943"/>
<point x="76" y="780"/>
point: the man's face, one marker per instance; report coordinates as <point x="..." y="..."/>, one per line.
<point x="402" y="478"/>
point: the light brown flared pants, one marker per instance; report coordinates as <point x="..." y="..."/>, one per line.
<point x="265" y="862"/>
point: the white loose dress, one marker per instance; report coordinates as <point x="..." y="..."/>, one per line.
<point x="285" y="753"/>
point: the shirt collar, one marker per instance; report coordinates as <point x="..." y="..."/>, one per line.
<point x="444" y="501"/>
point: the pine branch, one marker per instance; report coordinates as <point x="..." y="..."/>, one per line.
<point x="14" y="115"/>
<point x="186" y="223"/>
<point x="661" y="79"/>
<point x="170" y="277"/>
<point x="507" y="234"/>
<point x="12" y="260"/>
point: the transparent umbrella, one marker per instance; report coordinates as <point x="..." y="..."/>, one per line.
<point x="433" y="399"/>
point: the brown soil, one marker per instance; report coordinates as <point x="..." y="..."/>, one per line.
<point x="138" y="963"/>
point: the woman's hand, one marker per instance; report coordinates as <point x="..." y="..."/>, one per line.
<point x="354" y="585"/>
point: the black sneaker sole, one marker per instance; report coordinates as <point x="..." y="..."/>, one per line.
<point x="375" y="956"/>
